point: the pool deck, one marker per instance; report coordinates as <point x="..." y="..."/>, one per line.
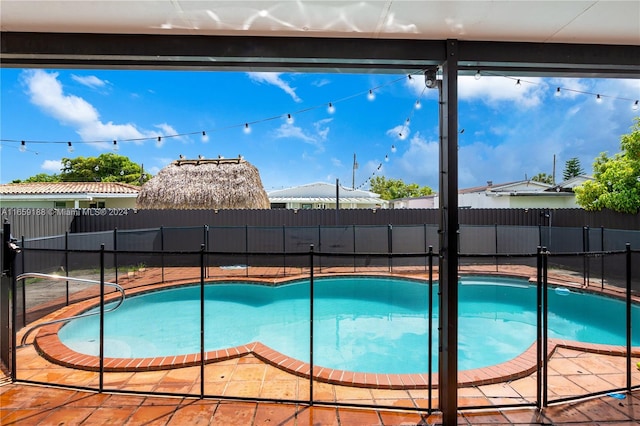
<point x="573" y="371"/>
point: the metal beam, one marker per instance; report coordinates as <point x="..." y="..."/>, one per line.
<point x="139" y="51"/>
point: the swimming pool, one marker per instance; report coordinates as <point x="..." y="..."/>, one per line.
<point x="361" y="324"/>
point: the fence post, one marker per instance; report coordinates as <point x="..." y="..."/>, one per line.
<point x="430" y="326"/>
<point x="311" y="301"/>
<point x="101" y="384"/>
<point x="66" y="261"/>
<point x="585" y="256"/>
<point x="246" y="249"/>
<point x="284" y="251"/>
<point x="539" y="326"/>
<point x="115" y="250"/>
<point x="495" y="232"/>
<point x="354" y="247"/>
<point x="545" y="330"/>
<point x="602" y="257"/>
<point x="23" y="264"/>
<point x="206" y="245"/>
<point x="628" y="309"/>
<point x="390" y="246"/>
<point x="202" y="353"/>
<point x="162" y="250"/>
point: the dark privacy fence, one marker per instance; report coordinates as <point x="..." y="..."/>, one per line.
<point x="32" y="223"/>
<point x="281" y="245"/>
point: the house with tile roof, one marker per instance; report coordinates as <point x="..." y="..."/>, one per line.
<point x="322" y="195"/>
<point x="68" y="195"/>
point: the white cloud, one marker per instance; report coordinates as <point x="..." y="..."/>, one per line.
<point x="420" y="161"/>
<point x="90" y="81"/>
<point x="274" y="79"/>
<point x="51" y="166"/>
<point x="336" y="162"/>
<point x="399" y="132"/>
<point x="289" y="130"/>
<point x="494" y="90"/>
<point x="46" y="92"/>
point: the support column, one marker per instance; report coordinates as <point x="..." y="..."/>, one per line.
<point x="448" y="351"/>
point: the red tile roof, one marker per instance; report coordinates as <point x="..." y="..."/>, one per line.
<point x="68" y="188"/>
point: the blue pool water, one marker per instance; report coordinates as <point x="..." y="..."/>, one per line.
<point x="363" y="324"/>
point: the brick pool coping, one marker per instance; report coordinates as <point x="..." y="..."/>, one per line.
<point x="49" y="346"/>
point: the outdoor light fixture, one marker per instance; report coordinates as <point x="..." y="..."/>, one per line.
<point x="635" y="106"/>
<point x="518" y="83"/>
<point x="69" y="147"/>
<point x="418" y="104"/>
<point x="558" y="91"/>
<point x="371" y="96"/>
<point x="247" y="129"/>
<point x="331" y="109"/>
<point x="598" y="98"/>
<point x="115" y="145"/>
<point x="23" y="146"/>
<point x="478" y="75"/>
<point x="205" y="138"/>
<point x="289" y="119"/>
<point x="430" y="78"/>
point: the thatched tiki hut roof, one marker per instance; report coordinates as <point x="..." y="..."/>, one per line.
<point x="205" y="184"/>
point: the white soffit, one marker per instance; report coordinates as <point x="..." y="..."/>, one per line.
<point x="597" y="22"/>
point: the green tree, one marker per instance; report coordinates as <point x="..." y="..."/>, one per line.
<point x="40" y="177"/>
<point x="391" y="189"/>
<point x="572" y="168"/>
<point x="616" y="184"/>
<point x="544" y="178"/>
<point x="108" y="167"/>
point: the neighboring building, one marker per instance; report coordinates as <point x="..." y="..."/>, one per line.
<point x="426" y="202"/>
<point x="323" y="196"/>
<point x="520" y="195"/>
<point x="68" y="195"/>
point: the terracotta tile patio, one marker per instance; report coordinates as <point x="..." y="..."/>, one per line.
<point x="572" y="372"/>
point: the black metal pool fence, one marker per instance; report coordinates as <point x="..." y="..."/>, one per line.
<point x="279" y="246"/>
<point x="595" y="256"/>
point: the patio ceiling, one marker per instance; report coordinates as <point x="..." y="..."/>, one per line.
<point x="521" y="37"/>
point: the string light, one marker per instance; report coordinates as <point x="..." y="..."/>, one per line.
<point x="393" y="148"/>
<point x="371" y="96"/>
<point x="247" y="129"/>
<point x="289" y="119"/>
<point x="386" y="158"/>
<point x="635" y="105"/>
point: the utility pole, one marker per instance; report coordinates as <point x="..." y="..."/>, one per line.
<point x="353" y="174"/>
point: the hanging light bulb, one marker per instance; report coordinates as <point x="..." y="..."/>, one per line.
<point x="635" y="106"/>
<point x="478" y="75"/>
<point x="96" y="168"/>
<point x="518" y="83"/>
<point x="371" y="96"/>
<point x="205" y="138"/>
<point x="409" y="76"/>
<point x="418" y="105"/>
<point x="115" y="145"/>
<point x="247" y="129"/>
<point x="386" y="158"/>
<point x="558" y="92"/>
<point x="69" y="147"/>
<point x="23" y="146"/>
<point x="393" y="148"/>
<point x="598" y="98"/>
<point x="159" y="142"/>
<point x="289" y="119"/>
<point x="331" y="109"/>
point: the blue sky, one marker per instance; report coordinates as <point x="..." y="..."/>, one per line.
<point x="510" y="131"/>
